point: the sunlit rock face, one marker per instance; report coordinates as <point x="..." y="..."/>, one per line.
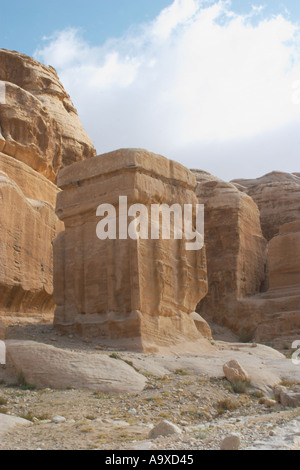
<point x="40" y="132"/>
<point x="138" y="293"/>
<point x="235" y="246"/>
<point x="277" y="195"/>
<point x="253" y="286"/>
<point x="38" y="122"/>
<point x="28" y="227"/>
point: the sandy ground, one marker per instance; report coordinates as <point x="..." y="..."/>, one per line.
<point x="189" y="391"/>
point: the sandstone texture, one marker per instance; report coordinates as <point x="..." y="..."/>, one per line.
<point x="138" y="292"/>
<point x="40" y="132"/>
<point x="277" y="195"/>
<point x="235" y="247"/>
<point x="28" y="228"/>
<point x="39" y="125"/>
<point x="32" y="184"/>
<point x="202" y="326"/>
<point x="46" y="366"/>
<point x="8" y="423"/>
<point x="284" y="257"/>
<point x="235" y="372"/>
<point x="253" y="286"/>
<point x="277" y="311"/>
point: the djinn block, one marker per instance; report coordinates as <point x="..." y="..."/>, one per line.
<point x="135" y="293"/>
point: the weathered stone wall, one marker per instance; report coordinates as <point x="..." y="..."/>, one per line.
<point x="236" y="248"/>
<point x="277" y="195"/>
<point x="253" y="287"/>
<point x="38" y="122"/>
<point x="27" y="230"/>
<point x="136" y="292"/>
<point x="40" y="132"/>
<point x="284" y="257"/>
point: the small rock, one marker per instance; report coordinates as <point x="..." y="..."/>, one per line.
<point x="277" y="392"/>
<point x="164" y="428"/>
<point x="104" y="420"/>
<point x="231" y="442"/>
<point x="184" y="423"/>
<point x="267" y="402"/>
<point x="290" y="399"/>
<point x="235" y="372"/>
<point x="58" y="419"/>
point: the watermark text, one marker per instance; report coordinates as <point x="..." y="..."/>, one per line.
<point x="160" y="221"/>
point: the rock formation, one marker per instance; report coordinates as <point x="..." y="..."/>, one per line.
<point x="28" y="227"/>
<point x="141" y="293"/>
<point x="235" y="246"/>
<point x="277" y="195"/>
<point x="280" y="305"/>
<point x="284" y="257"/>
<point x="253" y="291"/>
<point x="138" y="293"/>
<point x="40" y="132"/>
<point x="38" y="123"/>
<point x="46" y="366"/>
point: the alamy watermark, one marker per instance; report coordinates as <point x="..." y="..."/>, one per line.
<point x="139" y="222"/>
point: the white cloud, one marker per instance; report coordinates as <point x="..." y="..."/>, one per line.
<point x="199" y="84"/>
<point x="170" y="18"/>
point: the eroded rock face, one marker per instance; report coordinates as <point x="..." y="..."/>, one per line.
<point x="274" y="315"/>
<point x="284" y="257"/>
<point x="27" y="229"/>
<point x="40" y="132"/>
<point x="235" y="246"/>
<point x="32" y="184"/>
<point x="280" y="305"/>
<point x="277" y="195"/>
<point x="38" y="123"/>
<point x="139" y="293"/>
<point x="253" y="287"/>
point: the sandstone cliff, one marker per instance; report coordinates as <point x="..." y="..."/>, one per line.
<point x="277" y="195"/>
<point x="28" y="228"/>
<point x="145" y="289"/>
<point x="253" y="287"/>
<point x="236" y="248"/>
<point x="38" y="123"/>
<point x="136" y="292"/>
<point x="40" y="132"/>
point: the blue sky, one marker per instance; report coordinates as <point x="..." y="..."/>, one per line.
<point x="213" y="85"/>
<point x="23" y="23"/>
